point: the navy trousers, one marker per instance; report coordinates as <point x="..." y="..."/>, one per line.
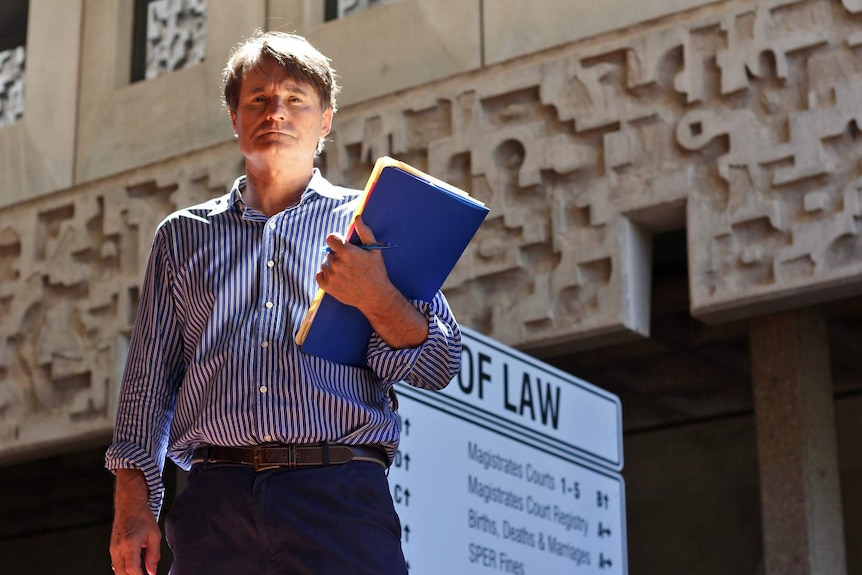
<point x="336" y="519"/>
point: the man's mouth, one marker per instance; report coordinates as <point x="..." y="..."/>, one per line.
<point x="274" y="133"/>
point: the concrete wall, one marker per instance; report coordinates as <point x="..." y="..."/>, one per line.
<point x="512" y="28"/>
<point x="582" y="151"/>
<point x="84" y="120"/>
<point x="123" y="125"/>
<point x="693" y="496"/>
<point x="37" y="154"/>
<point x="587" y="127"/>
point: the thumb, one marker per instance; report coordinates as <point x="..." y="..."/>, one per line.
<point x="153" y="553"/>
<point x="366" y="236"/>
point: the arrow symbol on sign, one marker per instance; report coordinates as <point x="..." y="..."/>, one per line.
<point x="604" y="531"/>
<point x="407" y="534"/>
<point x="604" y="563"/>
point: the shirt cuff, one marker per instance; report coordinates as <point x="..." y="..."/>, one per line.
<point x="394" y="364"/>
<point x="131" y="456"/>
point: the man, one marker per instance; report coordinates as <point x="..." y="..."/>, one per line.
<point x="287" y="451"/>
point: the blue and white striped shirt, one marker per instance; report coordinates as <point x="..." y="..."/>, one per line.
<point x="212" y="358"/>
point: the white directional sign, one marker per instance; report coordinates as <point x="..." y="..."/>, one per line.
<point x="502" y="471"/>
<point x="519" y="394"/>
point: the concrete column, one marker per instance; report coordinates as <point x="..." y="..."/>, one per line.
<point x="800" y="491"/>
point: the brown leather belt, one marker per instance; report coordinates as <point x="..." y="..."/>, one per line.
<point x="264" y="457"/>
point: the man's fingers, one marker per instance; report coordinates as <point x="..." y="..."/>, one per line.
<point x="334" y="242"/>
<point x="131" y="563"/>
<point x="133" y="538"/>
<point x="366" y="236"/>
<point x="122" y="558"/>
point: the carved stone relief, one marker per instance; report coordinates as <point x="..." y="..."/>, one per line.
<point x="740" y="125"/>
<point x="348" y="7"/>
<point x="70" y="269"/>
<point x="11" y="85"/>
<point x="176" y="35"/>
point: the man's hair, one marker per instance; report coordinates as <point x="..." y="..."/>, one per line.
<point x="294" y="53"/>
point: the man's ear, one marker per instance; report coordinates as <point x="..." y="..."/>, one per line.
<point x="233" y="120"/>
<point x="327" y="122"/>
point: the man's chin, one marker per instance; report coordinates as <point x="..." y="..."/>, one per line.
<point x="275" y="153"/>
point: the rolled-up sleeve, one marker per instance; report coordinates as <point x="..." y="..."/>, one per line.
<point x="431" y="365"/>
<point x="150" y="380"/>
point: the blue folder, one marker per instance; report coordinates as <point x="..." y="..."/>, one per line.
<point x="430" y="223"/>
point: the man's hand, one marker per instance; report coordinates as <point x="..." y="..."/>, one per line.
<point x="358" y="278"/>
<point x="135" y="528"/>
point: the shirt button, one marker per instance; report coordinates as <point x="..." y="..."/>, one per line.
<point x="272" y="225"/>
<point x="267" y="438"/>
<point x="262" y="389"/>
<point x="270" y="263"/>
<point x="269" y="305"/>
<point x="264" y="344"/>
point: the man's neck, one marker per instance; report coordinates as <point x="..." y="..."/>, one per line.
<point x="270" y="192"/>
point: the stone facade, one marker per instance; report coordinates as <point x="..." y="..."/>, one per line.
<point x="70" y="271"/>
<point x="739" y="125"/>
<point x="737" y="120"/>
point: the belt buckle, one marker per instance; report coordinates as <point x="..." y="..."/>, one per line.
<point x="258" y="466"/>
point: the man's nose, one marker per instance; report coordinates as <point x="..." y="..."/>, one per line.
<point x="277" y="111"/>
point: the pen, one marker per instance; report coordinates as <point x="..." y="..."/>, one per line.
<point x="367" y="247"/>
<point x="378" y="246"/>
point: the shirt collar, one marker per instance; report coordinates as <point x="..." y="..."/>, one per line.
<point x="318" y="185"/>
<point x="321" y="186"/>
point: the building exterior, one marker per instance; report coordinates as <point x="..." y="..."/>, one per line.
<point x="676" y="215"/>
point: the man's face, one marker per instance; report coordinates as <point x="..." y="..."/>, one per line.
<point x="278" y="118"/>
